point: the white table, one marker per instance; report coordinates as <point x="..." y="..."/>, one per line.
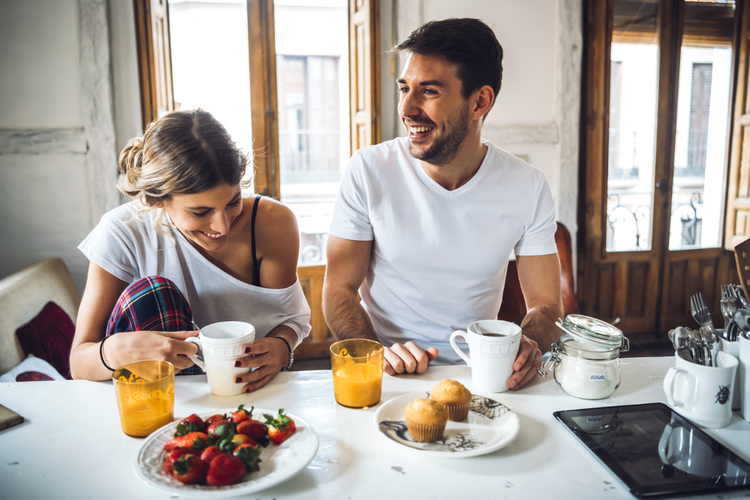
<point x="71" y="445"/>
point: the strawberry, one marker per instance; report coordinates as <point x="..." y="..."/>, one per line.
<point x="221" y="430"/>
<point x="250" y="456"/>
<point x="189" y="469"/>
<point x="210" y="453"/>
<point x="240" y="439"/>
<point x="241" y="414"/>
<point x="215" y="418"/>
<point x="255" y="430"/>
<point x="174" y="455"/>
<point x="225" y="469"/>
<point x="196" y="441"/>
<point x="193" y="423"/>
<point x="280" y="428"/>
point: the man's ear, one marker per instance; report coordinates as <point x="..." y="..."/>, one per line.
<point x="483" y="102"/>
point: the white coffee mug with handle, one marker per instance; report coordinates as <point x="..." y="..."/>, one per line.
<point x="702" y="393"/>
<point x="219" y="346"/>
<point x="493" y="346"/>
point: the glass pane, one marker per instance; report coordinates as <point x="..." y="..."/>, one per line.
<point x="632" y="125"/>
<point x="702" y="120"/>
<point x="312" y="48"/>
<point x="210" y="62"/>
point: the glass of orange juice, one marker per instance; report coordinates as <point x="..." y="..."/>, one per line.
<point x="145" y="396"/>
<point x="357" y="366"/>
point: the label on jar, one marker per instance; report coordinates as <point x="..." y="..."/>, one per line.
<point x="597" y="377"/>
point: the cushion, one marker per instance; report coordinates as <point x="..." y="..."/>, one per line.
<point x="26" y="370"/>
<point x="49" y="336"/>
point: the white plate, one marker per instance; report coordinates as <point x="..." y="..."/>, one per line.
<point x="490" y="426"/>
<point x="279" y="462"/>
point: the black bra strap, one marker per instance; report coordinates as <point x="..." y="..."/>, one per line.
<point x="256" y="264"/>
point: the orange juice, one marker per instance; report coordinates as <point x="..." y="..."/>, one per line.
<point x="357" y="384"/>
<point x="145" y="396"/>
<point x="141" y="418"/>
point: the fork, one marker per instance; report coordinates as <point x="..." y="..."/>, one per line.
<point x="700" y="311"/>
<point x="710" y="339"/>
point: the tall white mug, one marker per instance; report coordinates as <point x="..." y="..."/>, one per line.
<point x="493" y="345"/>
<point x="744" y="369"/>
<point x="701" y="393"/>
<point x="220" y="345"/>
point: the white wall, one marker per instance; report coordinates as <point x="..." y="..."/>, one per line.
<point x="55" y="130"/>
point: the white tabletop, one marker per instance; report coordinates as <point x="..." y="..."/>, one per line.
<point x="71" y="445"/>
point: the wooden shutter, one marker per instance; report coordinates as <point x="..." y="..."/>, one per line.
<point x="154" y="58"/>
<point x="364" y="73"/>
<point x="738" y="191"/>
<point x="263" y="97"/>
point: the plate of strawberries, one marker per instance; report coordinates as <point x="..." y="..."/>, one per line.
<point x="226" y="454"/>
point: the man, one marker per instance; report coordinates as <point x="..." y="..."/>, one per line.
<point x="424" y="226"/>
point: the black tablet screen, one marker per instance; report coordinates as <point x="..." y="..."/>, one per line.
<point x="654" y="451"/>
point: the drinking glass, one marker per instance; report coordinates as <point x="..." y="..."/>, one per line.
<point x="145" y="396"/>
<point x="357" y="367"/>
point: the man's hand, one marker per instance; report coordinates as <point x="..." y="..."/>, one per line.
<point x="408" y="358"/>
<point x="528" y="359"/>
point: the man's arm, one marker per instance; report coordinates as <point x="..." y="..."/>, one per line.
<point x="347" y="266"/>
<point x="539" y="277"/>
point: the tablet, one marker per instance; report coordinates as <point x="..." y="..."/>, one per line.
<point x="653" y="451"/>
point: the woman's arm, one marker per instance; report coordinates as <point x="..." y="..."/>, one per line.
<point x="99" y="299"/>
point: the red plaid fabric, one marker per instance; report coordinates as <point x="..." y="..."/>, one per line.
<point x="152" y="303"/>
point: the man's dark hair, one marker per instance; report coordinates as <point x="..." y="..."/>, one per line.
<point x="468" y="43"/>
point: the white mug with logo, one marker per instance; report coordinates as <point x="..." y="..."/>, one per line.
<point x="702" y="393"/>
<point x="219" y="346"/>
<point x="493" y="345"/>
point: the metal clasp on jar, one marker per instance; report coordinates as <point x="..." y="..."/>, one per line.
<point x="551" y="363"/>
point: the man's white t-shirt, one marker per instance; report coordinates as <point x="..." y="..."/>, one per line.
<point x="439" y="257"/>
<point x="125" y="245"/>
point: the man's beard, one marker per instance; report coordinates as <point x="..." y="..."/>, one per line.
<point x="445" y="147"/>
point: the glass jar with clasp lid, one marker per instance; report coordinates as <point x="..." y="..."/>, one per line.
<point x="586" y="359"/>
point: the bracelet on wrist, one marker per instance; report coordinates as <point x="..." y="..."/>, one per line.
<point x="291" y="354"/>
<point x="101" y="354"/>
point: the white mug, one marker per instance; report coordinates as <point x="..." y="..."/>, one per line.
<point x="219" y="346"/>
<point x="744" y="369"/>
<point x="493" y="345"/>
<point x="702" y="393"/>
<point x="733" y="348"/>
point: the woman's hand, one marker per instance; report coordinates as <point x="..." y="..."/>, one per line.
<point x="126" y="347"/>
<point x="268" y="355"/>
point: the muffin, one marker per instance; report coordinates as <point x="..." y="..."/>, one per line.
<point x="425" y="420"/>
<point x="455" y="397"/>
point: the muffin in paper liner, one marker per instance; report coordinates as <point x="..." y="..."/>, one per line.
<point x="454" y="397"/>
<point x="425" y="433"/>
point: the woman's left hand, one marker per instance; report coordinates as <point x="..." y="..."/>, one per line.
<point x="269" y="355"/>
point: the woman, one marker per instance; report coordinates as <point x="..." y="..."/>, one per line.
<point x="189" y="252"/>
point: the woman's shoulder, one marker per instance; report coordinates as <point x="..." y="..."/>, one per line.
<point x="273" y="213"/>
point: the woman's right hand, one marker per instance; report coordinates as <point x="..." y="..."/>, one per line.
<point x="126" y="347"/>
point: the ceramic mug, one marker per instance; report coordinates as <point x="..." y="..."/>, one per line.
<point x="702" y="393"/>
<point x="744" y="369"/>
<point x="493" y="346"/>
<point x="219" y="346"/>
<point x="733" y="348"/>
